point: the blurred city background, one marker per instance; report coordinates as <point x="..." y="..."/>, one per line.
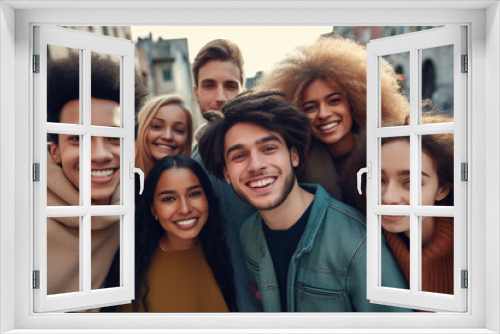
<point x="164" y="55"/>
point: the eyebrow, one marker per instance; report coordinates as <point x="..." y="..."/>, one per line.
<point x="326" y="97"/>
<point x="172" y="192"/>
<point x="258" y="142"/>
<point x="407" y="172"/>
<point x="162" y="120"/>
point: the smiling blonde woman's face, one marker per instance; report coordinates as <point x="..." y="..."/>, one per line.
<point x="167" y="133"/>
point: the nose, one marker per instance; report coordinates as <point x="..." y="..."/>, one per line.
<point x="184" y="207"/>
<point x="256" y="162"/>
<point x="100" y="150"/>
<point x="323" y="111"/>
<point x="167" y="134"/>
<point x="391" y="195"/>
<point x="221" y="97"/>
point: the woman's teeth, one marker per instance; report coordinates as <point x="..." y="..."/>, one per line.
<point x="261" y="183"/>
<point x="102" y="173"/>
<point x="166" y="147"/>
<point x="329" y="126"/>
<point x="185" y="222"/>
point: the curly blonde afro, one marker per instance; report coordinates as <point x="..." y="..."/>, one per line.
<point x="342" y="62"/>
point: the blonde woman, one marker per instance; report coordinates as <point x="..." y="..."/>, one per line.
<point x="165" y="129"/>
<point x="327" y="81"/>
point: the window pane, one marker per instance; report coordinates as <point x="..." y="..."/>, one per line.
<point x="63" y="255"/>
<point x="63" y="85"/>
<point x="105" y="170"/>
<point x="437" y="169"/>
<point x="395" y="171"/>
<point x="105" y="89"/>
<point x="400" y="62"/>
<point x="437" y="82"/>
<point x="63" y="170"/>
<point x="105" y="245"/>
<point x="437" y="254"/>
<point x="396" y="230"/>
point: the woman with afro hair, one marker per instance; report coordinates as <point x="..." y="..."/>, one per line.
<point x="327" y="81"/>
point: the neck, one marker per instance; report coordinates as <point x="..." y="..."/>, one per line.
<point x="105" y="201"/>
<point x="427" y="230"/>
<point x="343" y="146"/>
<point x="168" y="244"/>
<point x="289" y="212"/>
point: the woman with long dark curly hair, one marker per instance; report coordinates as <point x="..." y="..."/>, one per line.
<point x="182" y="262"/>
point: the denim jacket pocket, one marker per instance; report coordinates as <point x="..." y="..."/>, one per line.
<point x="312" y="299"/>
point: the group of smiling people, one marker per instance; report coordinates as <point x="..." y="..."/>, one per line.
<point x="326" y="82"/>
<point x="265" y="216"/>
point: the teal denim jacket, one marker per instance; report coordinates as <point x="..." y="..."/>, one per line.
<point x="327" y="272"/>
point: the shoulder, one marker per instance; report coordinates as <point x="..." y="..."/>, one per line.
<point x="327" y="208"/>
<point x="336" y="224"/>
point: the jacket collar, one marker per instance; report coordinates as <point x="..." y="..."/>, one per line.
<point x="316" y="217"/>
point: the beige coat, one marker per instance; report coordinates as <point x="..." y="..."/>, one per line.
<point x="63" y="237"/>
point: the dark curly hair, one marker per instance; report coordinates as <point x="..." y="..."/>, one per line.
<point x="266" y="109"/>
<point x="148" y="233"/>
<point x="63" y="84"/>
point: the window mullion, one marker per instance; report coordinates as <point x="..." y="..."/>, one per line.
<point x="414" y="179"/>
<point x="85" y="163"/>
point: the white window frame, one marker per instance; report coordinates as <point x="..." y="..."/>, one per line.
<point x="483" y="19"/>
<point x="86" y="44"/>
<point x="412" y="43"/>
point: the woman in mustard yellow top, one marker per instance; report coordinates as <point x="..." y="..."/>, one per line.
<point x="182" y="262"/>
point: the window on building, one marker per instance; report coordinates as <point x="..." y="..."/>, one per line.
<point x="167" y="74"/>
<point x="84" y="202"/>
<point x="425" y="225"/>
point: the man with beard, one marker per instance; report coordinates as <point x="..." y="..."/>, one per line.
<point x="304" y="250"/>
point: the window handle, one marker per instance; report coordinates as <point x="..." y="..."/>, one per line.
<point x="139" y="171"/>
<point x="368" y="171"/>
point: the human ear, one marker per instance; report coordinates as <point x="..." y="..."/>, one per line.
<point x="294" y="157"/>
<point x="226" y="175"/>
<point x="55" y="153"/>
<point x="153" y="211"/>
<point x="195" y="92"/>
<point x="442" y="192"/>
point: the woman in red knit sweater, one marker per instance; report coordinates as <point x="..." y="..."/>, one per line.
<point x="437" y="189"/>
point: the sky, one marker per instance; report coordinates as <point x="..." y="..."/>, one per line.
<point x="261" y="46"/>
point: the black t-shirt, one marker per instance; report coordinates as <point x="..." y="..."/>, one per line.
<point x="282" y="245"/>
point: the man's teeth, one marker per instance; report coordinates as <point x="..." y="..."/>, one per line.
<point x="261" y="183"/>
<point x="166" y="147"/>
<point x="185" y="222"/>
<point x="102" y="173"/>
<point x="329" y="126"/>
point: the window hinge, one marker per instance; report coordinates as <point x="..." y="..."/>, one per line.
<point x="36" y="172"/>
<point x="465" y="279"/>
<point x="36" y="63"/>
<point x="36" y="279"/>
<point x="465" y="171"/>
<point x="465" y="64"/>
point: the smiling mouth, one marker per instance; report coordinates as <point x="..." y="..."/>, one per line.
<point x="329" y="126"/>
<point x="102" y="172"/>
<point x="166" y="147"/>
<point x="392" y="217"/>
<point x="261" y="183"/>
<point x="186" y="222"/>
